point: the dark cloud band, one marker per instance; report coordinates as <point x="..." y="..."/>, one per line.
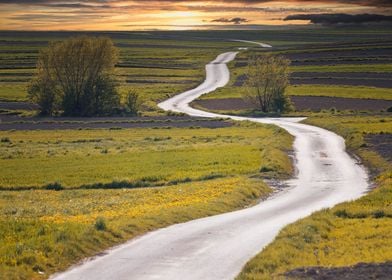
<point x="236" y="20"/>
<point x="333" y="19"/>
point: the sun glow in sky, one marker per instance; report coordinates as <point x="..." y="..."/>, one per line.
<point x="168" y="14"/>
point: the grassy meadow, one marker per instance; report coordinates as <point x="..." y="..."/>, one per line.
<point x="82" y="158"/>
<point x="347" y="234"/>
<point x="69" y="194"/>
<point x="43" y="232"/>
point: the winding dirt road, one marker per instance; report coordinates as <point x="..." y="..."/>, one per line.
<point x="217" y="247"/>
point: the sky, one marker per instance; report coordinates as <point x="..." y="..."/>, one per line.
<point x="171" y="14"/>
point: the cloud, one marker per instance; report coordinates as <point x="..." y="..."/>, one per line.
<point x="223" y="13"/>
<point x="236" y="20"/>
<point x="372" y="3"/>
<point x="333" y="19"/>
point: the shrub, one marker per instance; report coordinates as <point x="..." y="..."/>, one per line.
<point x="341" y="213"/>
<point x="266" y="169"/>
<point x="5" y="140"/>
<point x="132" y="103"/>
<point x="100" y="224"/>
<point x="379" y="214"/>
<point x="54" y="187"/>
<point x="175" y="114"/>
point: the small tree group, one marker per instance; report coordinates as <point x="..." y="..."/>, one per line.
<point x="75" y="77"/>
<point x="268" y="78"/>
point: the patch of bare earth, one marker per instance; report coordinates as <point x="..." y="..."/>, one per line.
<point x="372" y="54"/>
<point x="19" y="123"/>
<point x="361" y="271"/>
<point x="383" y="80"/>
<point x="382" y="144"/>
<point x="18" y="106"/>
<point x="314" y="103"/>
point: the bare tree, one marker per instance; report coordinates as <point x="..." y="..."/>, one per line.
<point x="267" y="80"/>
<point x="78" y="74"/>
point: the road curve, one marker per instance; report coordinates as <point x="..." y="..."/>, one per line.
<point x="217" y="247"/>
<point x="263" y="45"/>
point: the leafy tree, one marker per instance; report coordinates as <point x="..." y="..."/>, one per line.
<point x="44" y="93"/>
<point x="268" y="78"/>
<point x="100" y="98"/>
<point x="76" y="77"/>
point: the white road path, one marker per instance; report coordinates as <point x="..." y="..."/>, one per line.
<point x="218" y="247"/>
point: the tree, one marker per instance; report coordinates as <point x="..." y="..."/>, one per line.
<point x="132" y="102"/>
<point x="44" y="93"/>
<point x="76" y="77"/>
<point x="268" y="78"/>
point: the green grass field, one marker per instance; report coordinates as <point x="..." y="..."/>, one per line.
<point x="347" y="234"/>
<point x="312" y="90"/>
<point x="33" y="159"/>
<point x="185" y="174"/>
<point x="378" y="68"/>
<point x="13" y="92"/>
<point x="43" y="232"/>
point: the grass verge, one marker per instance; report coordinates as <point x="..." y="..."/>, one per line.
<point x="47" y="231"/>
<point x="347" y="234"/>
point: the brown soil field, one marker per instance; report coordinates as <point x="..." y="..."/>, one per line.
<point x="349" y="75"/>
<point x="314" y="103"/>
<point x="330" y="62"/>
<point x="379" y="55"/>
<point x="361" y="271"/>
<point x="18" y="123"/>
<point x="342" y="53"/>
<point x="344" y="81"/>
<point x="383" y="80"/>
<point x="18" y="106"/>
<point x="181" y="82"/>
<point x="382" y="143"/>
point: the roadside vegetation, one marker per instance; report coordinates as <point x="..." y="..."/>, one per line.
<point x="43" y="232"/>
<point x="350" y="233"/>
<point x="46" y="231"/>
<point x="69" y="194"/>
